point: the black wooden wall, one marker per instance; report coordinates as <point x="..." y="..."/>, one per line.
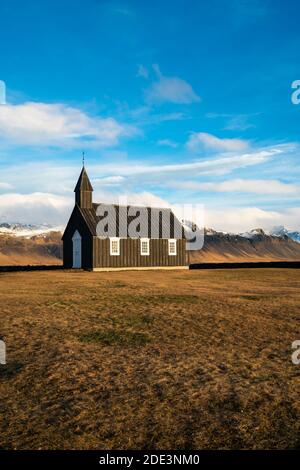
<point x="77" y="222"/>
<point x="130" y="254"/>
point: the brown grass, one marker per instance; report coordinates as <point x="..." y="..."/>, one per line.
<point x="184" y="359"/>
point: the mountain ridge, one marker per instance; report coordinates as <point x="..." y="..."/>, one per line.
<point x="255" y="246"/>
<point x="29" y="230"/>
<point x="41" y="244"/>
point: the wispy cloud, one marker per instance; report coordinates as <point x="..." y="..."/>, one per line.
<point x="238" y="123"/>
<point x="59" y="125"/>
<point x="109" y="181"/>
<point x="235" y="122"/>
<point x="217" y="165"/>
<point x="115" y="179"/>
<point x="144" y="115"/>
<point x="167" y="143"/>
<point x="142" y="71"/>
<point x="170" y="90"/>
<point x="258" y="186"/>
<point x="53" y="176"/>
<point x="204" y="141"/>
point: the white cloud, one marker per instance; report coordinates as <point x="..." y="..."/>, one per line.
<point x="167" y="143"/>
<point x="211" y="166"/>
<point x="143" y="199"/>
<point x="35" y="208"/>
<point x="244" y="186"/>
<point x="203" y="141"/>
<point x="243" y="219"/>
<point x="5" y="186"/>
<point x="58" y="125"/>
<point x="41" y="207"/>
<point x="2" y="92"/>
<point x="53" y="209"/>
<point x="58" y="177"/>
<point x="170" y="89"/>
<point x="109" y="181"/>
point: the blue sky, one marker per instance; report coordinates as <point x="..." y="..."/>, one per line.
<point x="173" y="102"/>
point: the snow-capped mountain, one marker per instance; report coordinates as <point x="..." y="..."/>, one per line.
<point x="30" y="230"/>
<point x="253" y="233"/>
<point x="41" y="244"/>
<point x="281" y="231"/>
<point x="27" y="230"/>
<point x="255" y="245"/>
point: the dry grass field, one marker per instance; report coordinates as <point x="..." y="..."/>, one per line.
<point x="161" y="360"/>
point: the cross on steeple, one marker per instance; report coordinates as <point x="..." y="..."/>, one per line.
<point x="83" y="155"/>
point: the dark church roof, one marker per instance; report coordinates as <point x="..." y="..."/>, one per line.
<point x="161" y="214"/>
<point x="83" y="182"/>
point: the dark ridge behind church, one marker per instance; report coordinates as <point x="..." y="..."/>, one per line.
<point x="84" y="246"/>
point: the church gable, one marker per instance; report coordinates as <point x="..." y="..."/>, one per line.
<point x="76" y="222"/>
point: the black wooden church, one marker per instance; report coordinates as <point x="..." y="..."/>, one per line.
<point x="89" y="242"/>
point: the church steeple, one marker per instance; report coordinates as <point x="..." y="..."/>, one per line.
<point x="83" y="191"/>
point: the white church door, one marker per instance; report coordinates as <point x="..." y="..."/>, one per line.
<point x="76" y="239"/>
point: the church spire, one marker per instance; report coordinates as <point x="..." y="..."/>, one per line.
<point x="83" y="190"/>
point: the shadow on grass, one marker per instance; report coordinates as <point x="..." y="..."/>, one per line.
<point x="8" y="371"/>
<point x="39" y="267"/>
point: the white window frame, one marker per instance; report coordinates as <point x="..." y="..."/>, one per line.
<point x="170" y="242"/>
<point x="145" y="240"/>
<point x="111" y="240"/>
